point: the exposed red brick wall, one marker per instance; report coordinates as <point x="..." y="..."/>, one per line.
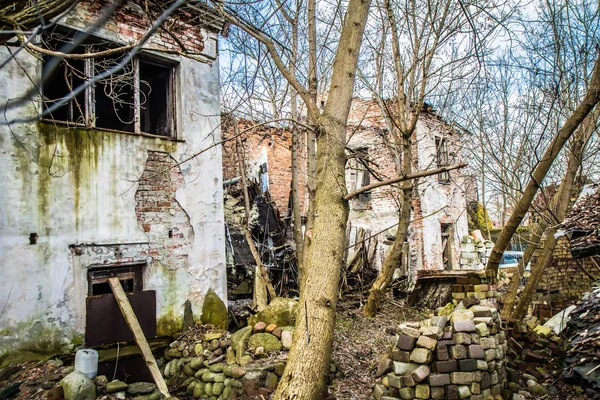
<point x="563" y="279"/>
<point x="130" y="24"/>
<point x="160" y="215"/>
<point x="276" y="144"/>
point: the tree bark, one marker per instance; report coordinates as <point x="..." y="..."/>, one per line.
<point x="309" y="357"/>
<point x="311" y="140"/>
<point x="560" y="203"/>
<point x="592" y="97"/>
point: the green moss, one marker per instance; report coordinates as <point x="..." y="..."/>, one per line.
<point x="214" y="311"/>
<point x="168" y="324"/>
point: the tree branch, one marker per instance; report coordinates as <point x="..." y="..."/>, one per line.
<point x="402" y="178"/>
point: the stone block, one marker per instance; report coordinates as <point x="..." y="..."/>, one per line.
<point x="439" y="379"/>
<point x="482" y="330"/>
<point x="394" y="381"/>
<point x="464" y="326"/>
<point x="402" y="368"/>
<point x="475" y="338"/>
<point x="400" y="355"/>
<point x="482" y="365"/>
<point x="422" y="391"/>
<point x="485" y="320"/>
<point x="420" y="355"/>
<point x="444" y="367"/>
<point x="441" y="353"/>
<point x="467" y="365"/>
<point x="409" y="331"/>
<point x="462" y="338"/>
<point x="408" y="381"/>
<point x="464" y="392"/>
<point x="439" y="321"/>
<point x="477" y="376"/>
<point x="407" y="393"/>
<point x="438" y="393"/>
<point x="494" y="378"/>
<point x="485" y="380"/>
<point x="432" y="332"/>
<point x="461" y="378"/>
<point x="475" y="388"/>
<point x="451" y="392"/>
<point x="458" y="352"/>
<point x="420" y="373"/>
<point x="406" y="342"/>
<point x="488" y="342"/>
<point x="476" y="351"/>
<point x="426" y="342"/>
<point x="461" y="315"/>
<point x="379" y="391"/>
<point x="490" y="355"/>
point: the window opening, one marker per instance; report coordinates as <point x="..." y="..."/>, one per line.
<point x="360" y="177"/>
<point x="442" y="158"/>
<point x="140" y="98"/>
<point x="446" y="245"/>
<point x="130" y="278"/>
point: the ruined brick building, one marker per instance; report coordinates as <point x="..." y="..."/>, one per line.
<point x="439" y="205"/>
<point x="105" y="184"/>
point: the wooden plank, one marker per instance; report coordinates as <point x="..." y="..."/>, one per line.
<point x="136" y="329"/>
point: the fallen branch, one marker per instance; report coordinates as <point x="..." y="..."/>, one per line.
<point x="420" y="174"/>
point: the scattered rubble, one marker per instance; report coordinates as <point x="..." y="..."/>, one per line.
<point x="582" y="363"/>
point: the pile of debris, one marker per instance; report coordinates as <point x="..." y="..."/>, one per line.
<point x="461" y="355"/>
<point x="535" y="355"/>
<point x="583" y="330"/>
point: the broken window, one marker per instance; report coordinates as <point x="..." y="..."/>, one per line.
<point x="130" y="277"/>
<point x="442" y="158"/>
<point x="139" y="98"/>
<point x="360" y="177"/>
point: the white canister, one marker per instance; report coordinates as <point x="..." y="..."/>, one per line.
<point x="86" y="362"/>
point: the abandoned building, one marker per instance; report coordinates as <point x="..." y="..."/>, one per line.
<point x="440" y="202"/>
<point x="439" y="209"/>
<point x="106" y="182"/>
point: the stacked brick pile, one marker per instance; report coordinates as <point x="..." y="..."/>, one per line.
<point x="460" y="356"/>
<point x="474" y="287"/>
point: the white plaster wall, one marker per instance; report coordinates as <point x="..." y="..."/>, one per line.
<point x="44" y="286"/>
<point x="436" y="196"/>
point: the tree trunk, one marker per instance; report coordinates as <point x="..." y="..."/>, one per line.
<point x="311" y="140"/>
<point x="592" y="97"/>
<point x="307" y="368"/>
<point x="560" y="203"/>
<point x="393" y="258"/>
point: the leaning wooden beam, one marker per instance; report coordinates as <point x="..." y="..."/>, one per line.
<point x="136" y="329"/>
<point x="420" y="174"/>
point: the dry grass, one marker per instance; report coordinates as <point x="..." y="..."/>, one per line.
<point x="359" y="342"/>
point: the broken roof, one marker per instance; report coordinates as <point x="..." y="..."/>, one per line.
<point x="583" y="223"/>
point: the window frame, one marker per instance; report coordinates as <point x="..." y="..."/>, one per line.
<point x="89" y="106"/>
<point x="442" y="156"/>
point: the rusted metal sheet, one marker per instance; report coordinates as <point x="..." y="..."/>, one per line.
<point x="105" y="324"/>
